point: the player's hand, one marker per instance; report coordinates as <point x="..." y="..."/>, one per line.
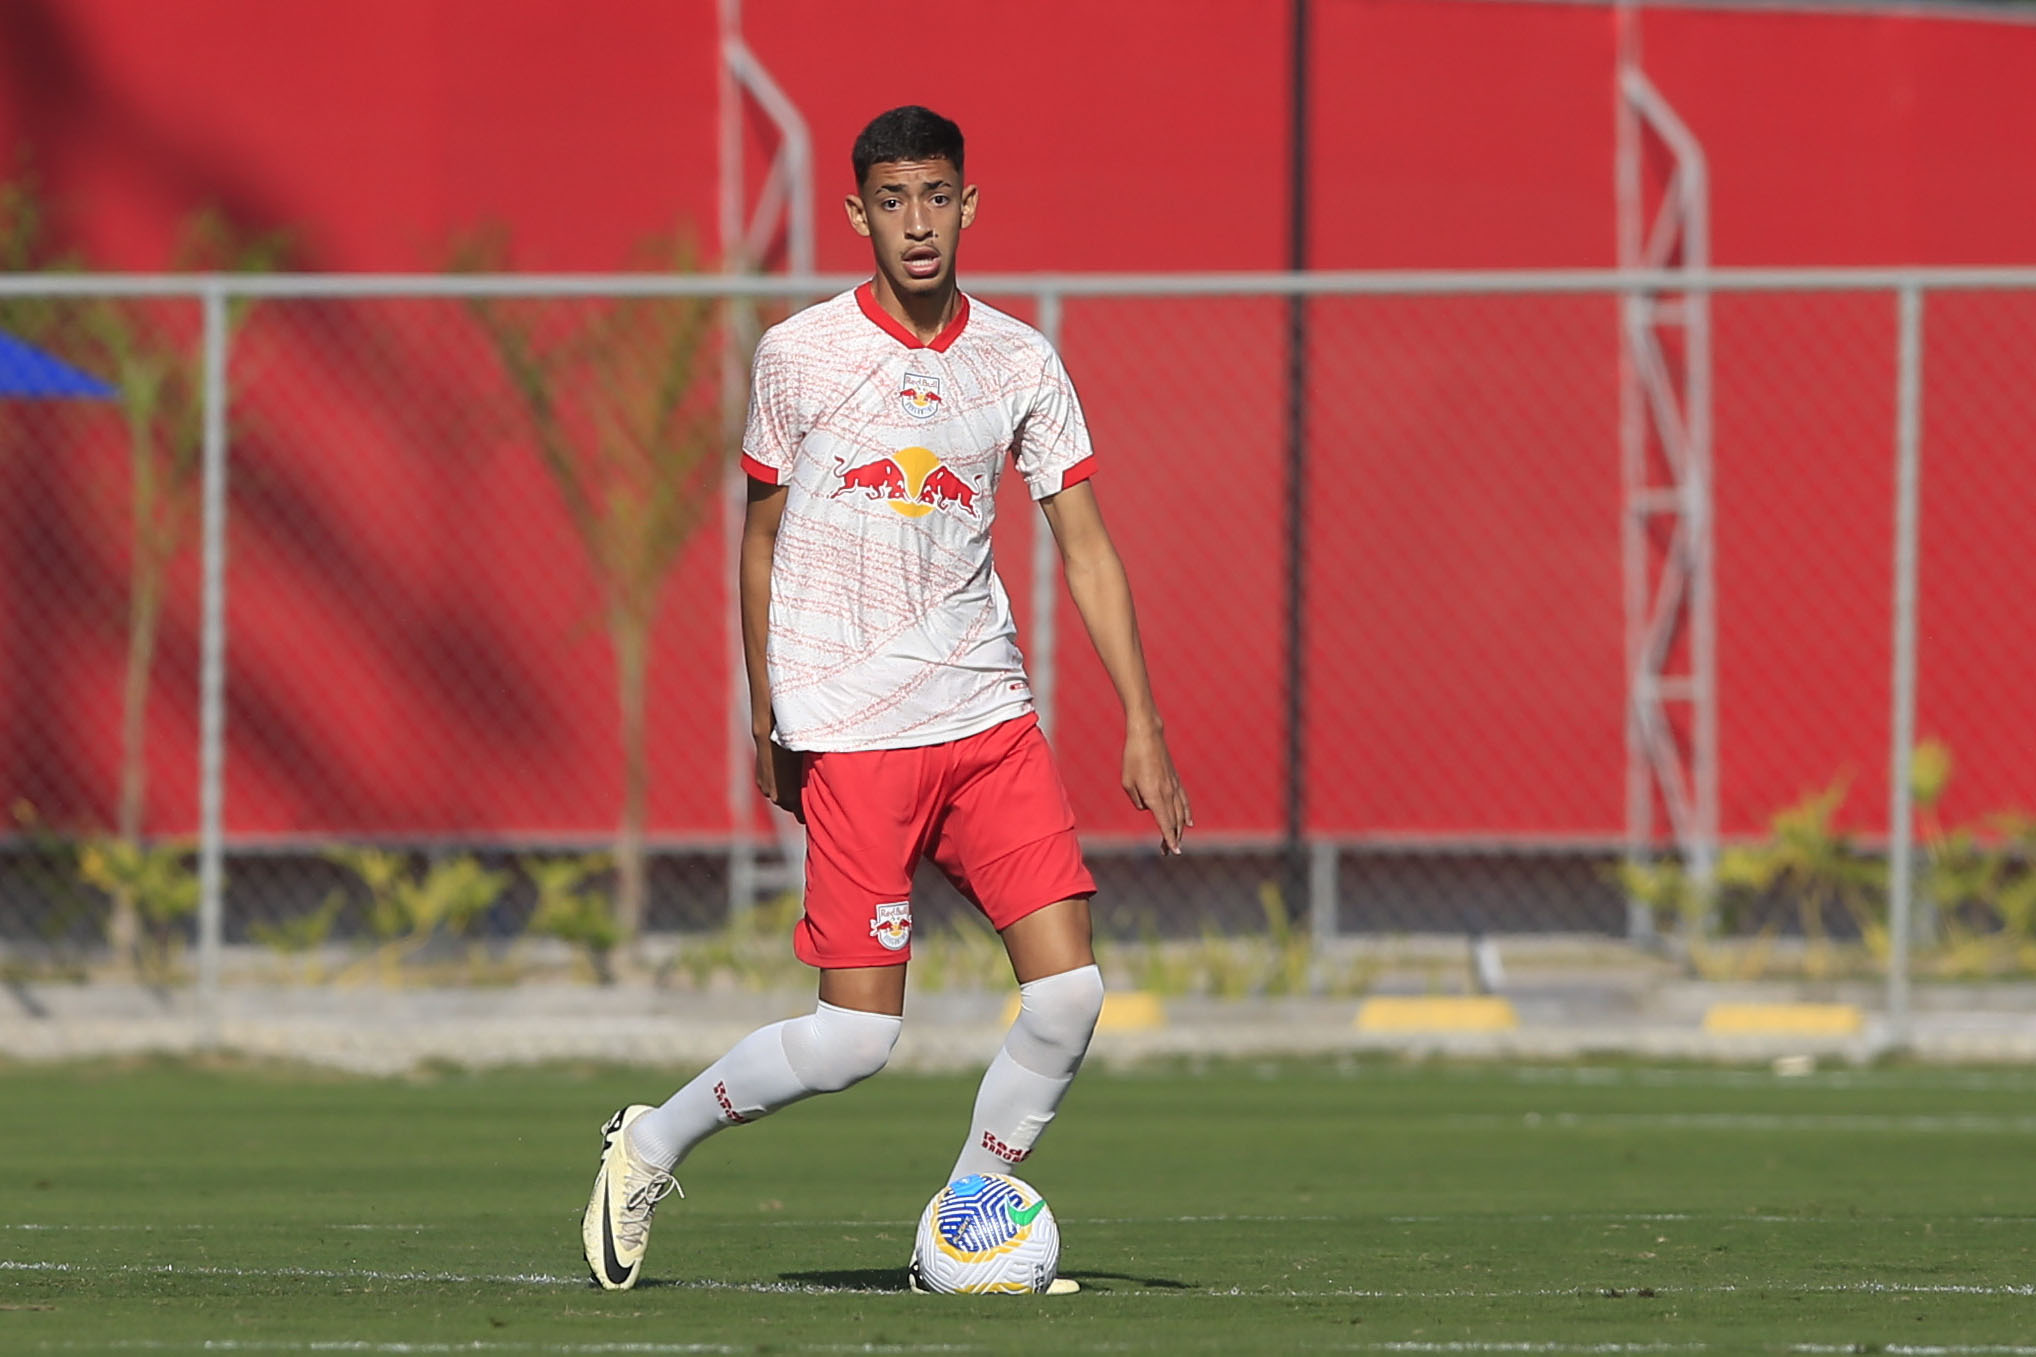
<point x="778" y="775"/>
<point x="1152" y="784"/>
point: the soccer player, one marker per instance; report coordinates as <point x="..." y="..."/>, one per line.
<point x="891" y="708"/>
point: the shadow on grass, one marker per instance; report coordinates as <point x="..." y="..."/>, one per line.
<point x="1090" y="1280"/>
<point x="893" y="1279"/>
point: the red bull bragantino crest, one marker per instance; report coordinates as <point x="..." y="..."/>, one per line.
<point x="913" y="482"/>
<point x="921" y="395"/>
<point x="892" y="927"/>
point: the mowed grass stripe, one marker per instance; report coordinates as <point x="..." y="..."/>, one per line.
<point x="1925" y="1124"/>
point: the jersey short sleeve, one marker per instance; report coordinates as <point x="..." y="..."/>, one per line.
<point x="770" y="440"/>
<point x="1053" y="450"/>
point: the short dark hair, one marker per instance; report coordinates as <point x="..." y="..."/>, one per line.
<point x="907" y="133"/>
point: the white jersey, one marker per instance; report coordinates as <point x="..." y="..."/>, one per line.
<point x="888" y="627"/>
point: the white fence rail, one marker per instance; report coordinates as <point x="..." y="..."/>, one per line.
<point x="1308" y="856"/>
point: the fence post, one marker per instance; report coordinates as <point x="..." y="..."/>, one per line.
<point x="1902" y="742"/>
<point x="1323" y="902"/>
<point x="212" y="670"/>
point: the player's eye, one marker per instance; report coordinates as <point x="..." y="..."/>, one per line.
<point x="889" y="204"/>
<point x="940" y="200"/>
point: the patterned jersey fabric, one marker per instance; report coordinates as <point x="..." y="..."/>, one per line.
<point x="889" y="628"/>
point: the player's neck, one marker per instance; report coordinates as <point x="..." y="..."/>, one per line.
<point x="924" y="314"/>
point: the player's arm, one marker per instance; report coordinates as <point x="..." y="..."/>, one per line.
<point x="1102" y="594"/>
<point x="777" y="769"/>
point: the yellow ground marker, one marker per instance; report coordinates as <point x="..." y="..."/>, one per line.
<point x="1133" y="1010"/>
<point x="1437" y="1013"/>
<point x="1784" y="1020"/>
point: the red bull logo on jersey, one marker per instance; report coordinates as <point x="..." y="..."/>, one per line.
<point x="913" y="482"/>
<point x="921" y="395"/>
<point x="892" y="926"/>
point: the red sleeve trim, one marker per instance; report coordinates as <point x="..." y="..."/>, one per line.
<point x="1079" y="472"/>
<point x="758" y="471"/>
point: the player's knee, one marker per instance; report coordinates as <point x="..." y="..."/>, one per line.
<point x="837" y="1047"/>
<point x="1057" y="1016"/>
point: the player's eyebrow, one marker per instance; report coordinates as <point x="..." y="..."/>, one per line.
<point x="930" y="185"/>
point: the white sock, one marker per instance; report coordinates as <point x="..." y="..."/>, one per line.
<point x="772" y="1067"/>
<point x="1023" y="1087"/>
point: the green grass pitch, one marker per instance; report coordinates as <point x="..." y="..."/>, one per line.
<point x="1382" y="1207"/>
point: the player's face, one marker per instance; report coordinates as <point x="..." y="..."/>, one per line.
<point x="913" y="211"/>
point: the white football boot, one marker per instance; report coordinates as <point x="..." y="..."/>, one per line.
<point x="616" y="1229"/>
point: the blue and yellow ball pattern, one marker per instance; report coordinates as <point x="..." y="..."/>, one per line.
<point x="978" y="1217"/>
<point x="984" y="1233"/>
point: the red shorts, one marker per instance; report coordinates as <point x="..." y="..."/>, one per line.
<point x="989" y="810"/>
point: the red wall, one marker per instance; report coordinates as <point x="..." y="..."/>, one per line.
<point x="1465" y="627"/>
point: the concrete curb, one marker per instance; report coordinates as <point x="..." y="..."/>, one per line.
<point x="391" y="1032"/>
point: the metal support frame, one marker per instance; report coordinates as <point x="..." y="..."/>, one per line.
<point x="783" y="208"/>
<point x="1665" y="473"/>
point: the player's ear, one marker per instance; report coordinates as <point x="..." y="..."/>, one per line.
<point x="968" y="205"/>
<point x="858" y="215"/>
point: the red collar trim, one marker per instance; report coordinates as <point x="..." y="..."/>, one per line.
<point x="866" y="298"/>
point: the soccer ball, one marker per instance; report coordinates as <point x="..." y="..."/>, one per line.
<point x="986" y="1232"/>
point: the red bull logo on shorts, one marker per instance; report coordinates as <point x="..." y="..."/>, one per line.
<point x="921" y="395"/>
<point x="913" y="482"/>
<point x="892" y="926"/>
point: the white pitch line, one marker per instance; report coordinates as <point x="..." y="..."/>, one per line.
<point x="1416" y="1345"/>
<point x="486" y="1345"/>
<point x="139" y="1228"/>
<point x="389" y="1346"/>
<point x="1685" y="1217"/>
<point x="1350" y="1218"/>
<point x="1628" y="1288"/>
<point x="1208" y="1220"/>
<point x="328" y="1274"/>
<point x="653" y="1349"/>
<point x="376" y="1275"/>
<point x="1925" y="1349"/>
<point x="1593" y="1076"/>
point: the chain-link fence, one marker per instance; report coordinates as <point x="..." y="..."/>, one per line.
<point x="1430" y="661"/>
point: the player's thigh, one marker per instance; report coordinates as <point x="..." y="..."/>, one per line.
<point x="1050" y="941"/>
<point x="868" y="817"/>
<point x="1007" y="840"/>
<point x="867" y="989"/>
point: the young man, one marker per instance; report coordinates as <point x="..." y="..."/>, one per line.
<point x="891" y="708"/>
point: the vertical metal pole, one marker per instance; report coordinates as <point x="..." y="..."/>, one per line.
<point x="1044" y="660"/>
<point x="1632" y="321"/>
<point x="212" y="673"/>
<point x="729" y="103"/>
<point x="734" y="491"/>
<point x="1902" y="742"/>
<point x="1296" y="675"/>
